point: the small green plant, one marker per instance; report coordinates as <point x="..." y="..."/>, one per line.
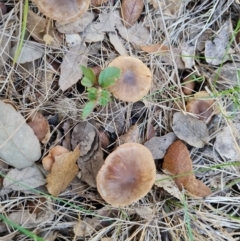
<point x="97" y="87"/>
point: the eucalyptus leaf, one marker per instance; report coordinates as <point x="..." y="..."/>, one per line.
<point x="108" y="76"/>
<point x="88" y="108"/>
<point x="88" y="73"/>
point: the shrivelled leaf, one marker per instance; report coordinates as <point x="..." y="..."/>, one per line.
<point x="145" y="212"/>
<point x="108" y="76"/>
<point x="19" y="147"/>
<point x="155" y="48"/>
<point x="63" y="171"/>
<point x="190" y="129"/>
<point x="29" y="177"/>
<point x="131" y="11"/>
<point x="89" y="74"/>
<point x="88" y="108"/>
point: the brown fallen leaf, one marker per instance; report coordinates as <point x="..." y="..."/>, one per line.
<point x="63" y="171"/>
<point x="97" y="3"/>
<point x="131" y="11"/>
<point x="155" y="48"/>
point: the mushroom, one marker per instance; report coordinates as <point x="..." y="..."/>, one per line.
<point x="127" y="175"/>
<point x="202" y="105"/>
<point x="62" y="10"/>
<point x="135" y="80"/>
<point x="48" y="160"/>
<point x="177" y="161"/>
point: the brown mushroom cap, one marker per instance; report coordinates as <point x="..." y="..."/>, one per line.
<point x="127" y="175"/>
<point x="135" y="80"/>
<point x="64" y="11"/>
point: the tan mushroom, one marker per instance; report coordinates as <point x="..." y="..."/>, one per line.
<point x="127" y="175"/>
<point x="135" y="80"/>
<point x="64" y="11"/>
<point x="48" y="160"/>
<point x="177" y="161"/>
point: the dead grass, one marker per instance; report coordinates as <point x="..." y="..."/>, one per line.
<point x="215" y="218"/>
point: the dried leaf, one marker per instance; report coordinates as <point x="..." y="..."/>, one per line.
<point x="168" y="184"/>
<point x="97" y="3"/>
<point x="86" y="227"/>
<point x="131" y="11"/>
<point x="216" y="50"/>
<point x="226" y="141"/>
<point x="132" y="135"/>
<point x="190" y="129"/>
<point x="145" y="213"/>
<point x="63" y="171"/>
<point x="70" y="67"/>
<point x="138" y="34"/>
<point x="169" y="7"/>
<point x="188" y="55"/>
<point x="41" y="31"/>
<point x="29" y="52"/>
<point x="5" y="45"/>
<point x="117" y="44"/>
<point x="91" y="159"/>
<point x="25" y="179"/>
<point x="19" y="147"/>
<point x="175" y="59"/>
<point x="159" y="145"/>
<point x="155" y="48"/>
<point x="77" y="26"/>
<point x="73" y="40"/>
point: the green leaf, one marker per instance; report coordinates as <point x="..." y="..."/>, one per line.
<point x="88" y="73"/>
<point x="92" y="93"/>
<point x="86" y="82"/>
<point x="104" y="98"/>
<point x="108" y="76"/>
<point x="88" y="109"/>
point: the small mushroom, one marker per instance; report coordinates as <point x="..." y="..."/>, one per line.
<point x="135" y="80"/>
<point x="48" y="160"/>
<point x="202" y="105"/>
<point x="127" y="175"/>
<point x="177" y="161"/>
<point x="62" y="10"/>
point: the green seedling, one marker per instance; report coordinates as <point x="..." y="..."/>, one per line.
<point x="97" y="87"/>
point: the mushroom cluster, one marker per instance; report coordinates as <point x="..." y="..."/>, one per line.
<point x="127" y="175"/>
<point x="135" y="80"/>
<point x="62" y="10"/>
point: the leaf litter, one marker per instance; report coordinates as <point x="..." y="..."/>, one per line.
<point x="175" y="39"/>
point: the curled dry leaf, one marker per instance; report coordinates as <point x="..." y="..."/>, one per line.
<point x="168" y="184"/>
<point x="19" y="147"/>
<point x="97" y="3"/>
<point x="190" y="129"/>
<point x="177" y="161"/>
<point x="40" y="127"/>
<point x="25" y="179"/>
<point x="63" y="171"/>
<point x="117" y="43"/>
<point x="159" y="145"/>
<point x="131" y="11"/>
